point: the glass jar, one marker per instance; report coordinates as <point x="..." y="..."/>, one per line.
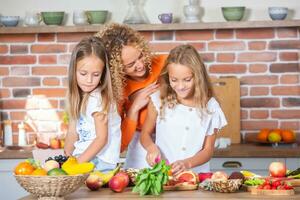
<point x="136" y="14"/>
<point x="8" y="134"/>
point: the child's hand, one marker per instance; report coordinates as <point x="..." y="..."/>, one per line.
<point x="178" y="167"/>
<point x="152" y="154"/>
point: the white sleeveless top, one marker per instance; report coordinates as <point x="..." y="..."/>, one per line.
<point x="181" y="133"/>
<point x="85" y="128"/>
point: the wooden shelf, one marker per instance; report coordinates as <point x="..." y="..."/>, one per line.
<point x="154" y="27"/>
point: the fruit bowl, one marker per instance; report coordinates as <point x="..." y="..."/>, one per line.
<point x="46" y="187"/>
<point x="226" y="186"/>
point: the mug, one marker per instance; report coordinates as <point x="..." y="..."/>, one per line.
<point x="165" y="18"/>
<point x="80" y="17"/>
<point x="32" y="18"/>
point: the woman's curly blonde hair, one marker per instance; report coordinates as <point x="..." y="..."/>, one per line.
<point x="115" y="36"/>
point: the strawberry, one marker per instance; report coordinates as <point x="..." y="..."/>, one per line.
<point x="267" y="187"/>
<point x="287" y="187"/>
<point x="276" y="183"/>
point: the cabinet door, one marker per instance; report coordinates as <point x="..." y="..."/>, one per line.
<point x="10" y="189"/>
<point x="292" y="163"/>
<point x="256" y="165"/>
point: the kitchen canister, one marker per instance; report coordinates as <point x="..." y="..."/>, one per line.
<point x="8" y="134"/>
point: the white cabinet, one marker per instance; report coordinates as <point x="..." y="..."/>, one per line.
<point x="256" y="165"/>
<point x="10" y="189"/>
<point x="292" y="163"/>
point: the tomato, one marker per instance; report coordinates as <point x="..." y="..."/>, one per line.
<point x="24" y="168"/>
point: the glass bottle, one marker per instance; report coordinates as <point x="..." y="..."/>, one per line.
<point x="8" y="134"/>
<point x="22" y="135"/>
<point x="192" y="11"/>
<point x="136" y="14"/>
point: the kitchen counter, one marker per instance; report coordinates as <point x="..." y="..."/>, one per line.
<point x="233" y="151"/>
<point x="105" y="193"/>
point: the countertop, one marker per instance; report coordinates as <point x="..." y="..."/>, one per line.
<point x="233" y="151"/>
<point x="105" y="193"/>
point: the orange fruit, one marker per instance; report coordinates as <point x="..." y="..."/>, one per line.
<point x="277" y="130"/>
<point x="274" y="136"/>
<point x="24" y="168"/>
<point x="288" y="136"/>
<point x="263" y="135"/>
<point x="39" y="172"/>
<point x="187" y="176"/>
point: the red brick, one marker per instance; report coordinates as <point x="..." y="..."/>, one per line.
<point x="289" y="56"/>
<point x="285" y="114"/>
<point x="228" y="69"/>
<point x="293" y="125"/>
<point x="194" y="35"/>
<point x="164" y="35"/>
<point x="49" y="70"/>
<point x="258" y="125"/>
<point x="291" y="102"/>
<point x="12" y="104"/>
<point x="285" y="90"/>
<point x="19" y="70"/>
<point x="224" y="34"/>
<point x="162" y="47"/>
<point x="4" y="93"/>
<point x="3" y="49"/>
<point x="49" y="92"/>
<point x="21" y="92"/>
<point x="4" y="71"/>
<point x="225" y="57"/>
<point x="244" y="114"/>
<point x="287" y="32"/>
<point x="259" y="91"/>
<point x="207" y="57"/>
<point x="48" y="48"/>
<point x="5" y="38"/>
<point x="244" y="91"/>
<point x="258" y="68"/>
<point x="72" y="37"/>
<point x="64" y="59"/>
<point x="284" y="67"/>
<point x="289" y="79"/>
<point x="257" y="57"/>
<point x="48" y="59"/>
<point x="259" y="114"/>
<point x="51" y="81"/>
<point x="65" y="82"/>
<point x="71" y="47"/>
<point x="148" y="35"/>
<point x="17" y="115"/>
<point x="21" y="81"/>
<point x="14" y="49"/>
<point x="260" y="102"/>
<point x="255" y="33"/>
<point x="259" y="80"/>
<point x="257" y="45"/>
<point x="17" y="59"/>
<point x="284" y="44"/>
<point x="226" y="46"/>
<point x="46" y="37"/>
<point x="200" y="46"/>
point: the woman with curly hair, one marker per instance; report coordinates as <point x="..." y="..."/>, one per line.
<point x="134" y="72"/>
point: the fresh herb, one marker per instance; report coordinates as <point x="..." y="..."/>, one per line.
<point x="254" y="182"/>
<point x="150" y="181"/>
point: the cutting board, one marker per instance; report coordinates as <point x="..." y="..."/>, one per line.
<point x="227" y="91"/>
<point x="272" y="192"/>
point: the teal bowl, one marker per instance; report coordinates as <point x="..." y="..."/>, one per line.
<point x="233" y="13"/>
<point x="53" y="18"/>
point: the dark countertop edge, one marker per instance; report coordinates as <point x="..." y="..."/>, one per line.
<point x="155" y="27"/>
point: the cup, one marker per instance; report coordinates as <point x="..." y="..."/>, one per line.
<point x="32" y="18"/>
<point x="165" y="18"/>
<point x="80" y="17"/>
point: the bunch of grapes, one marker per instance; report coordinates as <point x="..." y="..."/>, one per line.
<point x="60" y="159"/>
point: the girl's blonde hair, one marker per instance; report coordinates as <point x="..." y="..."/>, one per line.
<point x="115" y="36"/>
<point x="188" y="56"/>
<point x="76" y="97"/>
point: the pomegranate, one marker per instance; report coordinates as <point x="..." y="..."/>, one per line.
<point x="277" y="169"/>
<point x="203" y="176"/>
<point x="93" y="182"/>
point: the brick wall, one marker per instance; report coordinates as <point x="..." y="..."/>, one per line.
<point x="265" y="60"/>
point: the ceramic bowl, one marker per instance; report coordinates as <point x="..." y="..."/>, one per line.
<point x="278" y="13"/>
<point x="53" y="18"/>
<point x="233" y="13"/>
<point x="9" y="21"/>
<point x="96" y="16"/>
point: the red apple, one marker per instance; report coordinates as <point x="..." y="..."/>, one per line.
<point x="93" y="182"/>
<point x="54" y="143"/>
<point x="202" y="176"/>
<point x="219" y="175"/>
<point x="277" y="169"/>
<point x="119" y="182"/>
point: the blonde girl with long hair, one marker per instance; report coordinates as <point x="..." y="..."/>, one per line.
<point x="94" y="132"/>
<point x="185" y="113"/>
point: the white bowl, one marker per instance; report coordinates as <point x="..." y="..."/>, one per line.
<point x="9" y="20"/>
<point x="278" y="13"/>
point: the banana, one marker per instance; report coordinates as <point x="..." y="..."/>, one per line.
<point x="249" y="174"/>
<point x="105" y="177"/>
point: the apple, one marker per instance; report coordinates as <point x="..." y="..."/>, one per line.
<point x="204" y="175"/>
<point x="93" y="182"/>
<point x="119" y="182"/>
<point x="54" y="143"/>
<point x="277" y="169"/>
<point x="51" y="164"/>
<point x="219" y="175"/>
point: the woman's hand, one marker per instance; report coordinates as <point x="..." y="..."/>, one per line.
<point x="179" y="166"/>
<point x="152" y="153"/>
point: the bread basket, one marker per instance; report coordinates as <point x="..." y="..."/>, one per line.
<point x="226" y="186"/>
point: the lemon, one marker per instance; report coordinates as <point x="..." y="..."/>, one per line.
<point x="274" y="137"/>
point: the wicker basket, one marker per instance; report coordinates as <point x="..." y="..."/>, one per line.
<point x="230" y="185"/>
<point x="51" y="187"/>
